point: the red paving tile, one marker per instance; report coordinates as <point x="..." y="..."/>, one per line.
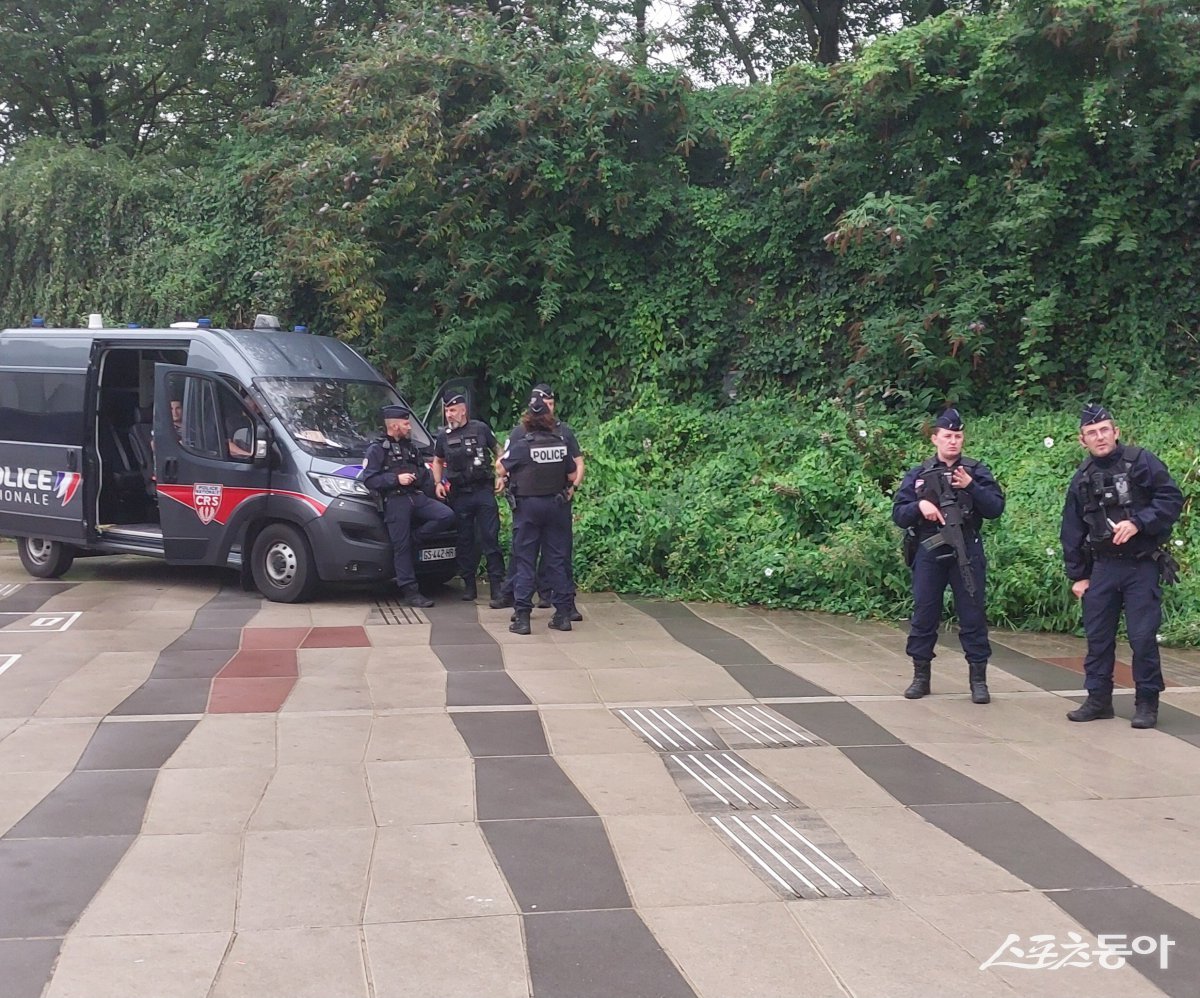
<point x="248" y="696"/>
<point x="273" y="637"/>
<point x="261" y="664"/>
<point x="1122" y="673"/>
<point x="337" y="637"/>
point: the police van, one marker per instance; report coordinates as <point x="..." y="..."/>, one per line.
<point x="200" y="446"/>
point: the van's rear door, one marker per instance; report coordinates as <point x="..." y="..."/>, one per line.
<point x="203" y="464"/>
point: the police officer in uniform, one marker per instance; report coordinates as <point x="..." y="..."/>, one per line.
<point x="942" y="503"/>
<point x="1121" y="505"/>
<point x="545" y="596"/>
<point x="393" y="468"/>
<point x="465" y="452"/>
<point x="541" y="475"/>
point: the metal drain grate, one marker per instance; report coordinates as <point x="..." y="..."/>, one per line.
<point x="671" y="729"/>
<point x="390" y="611"/>
<point x="721" y="781"/>
<point x="791" y="861"/>
<point x="752" y="726"/>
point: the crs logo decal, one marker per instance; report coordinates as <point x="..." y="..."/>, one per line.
<point x="66" y="484"/>
<point x="206" y="500"/>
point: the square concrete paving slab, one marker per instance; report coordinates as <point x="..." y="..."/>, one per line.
<point x="590" y="731"/>
<point x="45" y="746"/>
<point x="537" y="658"/>
<point x="641" y="685"/>
<point x="916" y="721"/>
<point x="671" y="860"/>
<point x="423" y="872"/>
<point x="90" y="803"/>
<point x="48" y="882"/>
<point x="491" y="733"/>
<point x="133" y="744"/>
<point x="333" y="741"/>
<point x="20" y="793"/>
<point x="1006" y="770"/>
<point x="425" y="959"/>
<point x="298" y="963"/>
<point x="747" y="950"/>
<point x="422" y="791"/>
<point x="557" y="864"/>
<point x="982" y="925"/>
<point x="913" y="778"/>
<point x="227" y="741"/>
<point x="770" y="680"/>
<point x="1186" y="897"/>
<point x="525" y="787"/>
<point x="180" y="965"/>
<point x="912" y="857"/>
<point x="192" y="879"/>
<point x="304" y="878"/>
<point x="705" y="682"/>
<point x="390" y="691"/>
<point x="27" y="964"/>
<point x="190" y="801"/>
<point x="325" y="693"/>
<point x="820" y="776"/>
<point x="599" y="954"/>
<point x="483" y="689"/>
<point x="396" y="738"/>
<point x="625" y="784"/>
<point x="837" y="723"/>
<point x="895" y="933"/>
<point x="843" y="679"/>
<point x="315" y="797"/>
<point x="552" y="686"/>
<point x="1108" y="763"/>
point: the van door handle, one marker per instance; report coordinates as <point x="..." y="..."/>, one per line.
<point x="170" y="469"/>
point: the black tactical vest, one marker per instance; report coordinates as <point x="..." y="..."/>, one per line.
<point x="937" y="486"/>
<point x="544" y="472"/>
<point x="401" y="457"/>
<point x="467" y="459"/>
<point x="1109" y="494"/>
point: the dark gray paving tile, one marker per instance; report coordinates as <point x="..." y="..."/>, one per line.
<point x="228" y="638"/>
<point x="166" y="696"/>
<point x="46" y="883"/>
<point x="515" y="732"/>
<point x="557" y="864"/>
<point x="460" y="634"/>
<point x="770" y="680"/>
<point x="31" y="596"/>
<point x="492" y="688"/>
<point x="526" y="787"/>
<point x="1133" y="912"/>
<point x="914" y="778"/>
<point x="1024" y="844"/>
<point x="838" y="723"/>
<point x="133" y="744"/>
<point x="197" y="664"/>
<point x="28" y="964"/>
<point x="224" y="616"/>
<point x="709" y="640"/>
<point x="111" y="802"/>
<point x="470" y="658"/>
<point x="1034" y="670"/>
<point x="234" y="598"/>
<point x="599" y="954"/>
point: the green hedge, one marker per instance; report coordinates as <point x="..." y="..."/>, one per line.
<point x="785" y="502"/>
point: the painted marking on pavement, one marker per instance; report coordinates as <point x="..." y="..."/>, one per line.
<point x="664" y="729"/>
<point x="762" y="727"/>
<point x="7" y="662"/>
<point x="43" y="622"/>
<point x="730" y="781"/>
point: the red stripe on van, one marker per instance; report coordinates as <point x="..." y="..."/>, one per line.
<point x="216" y="503"/>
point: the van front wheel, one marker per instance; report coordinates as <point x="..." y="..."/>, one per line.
<point x="45" y="559"/>
<point x="282" y="564"/>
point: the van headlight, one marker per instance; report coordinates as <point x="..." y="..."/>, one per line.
<point x="338" y="487"/>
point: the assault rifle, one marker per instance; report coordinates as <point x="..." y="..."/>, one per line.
<point x="951" y="533"/>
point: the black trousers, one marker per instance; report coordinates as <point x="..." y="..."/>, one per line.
<point x="542" y="523"/>
<point x="1132" y="585"/>
<point x="410" y="518"/>
<point x="930" y="578"/>
<point x="541" y="586"/>
<point x="478" y="530"/>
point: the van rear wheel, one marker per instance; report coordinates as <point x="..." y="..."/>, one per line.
<point x="45" y="559"/>
<point x="282" y="564"/>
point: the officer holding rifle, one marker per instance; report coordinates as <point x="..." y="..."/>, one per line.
<point x="941" y="504"/>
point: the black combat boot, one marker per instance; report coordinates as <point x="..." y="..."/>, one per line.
<point x="1097" y="707"/>
<point x="500" y="599"/>
<point x="919" y="687"/>
<point x="978" y="676"/>
<point x="520" y="623"/>
<point x="574" y="612"/>
<point x="560" y="621"/>
<point x="1145" y="709"/>
<point x="470" y="589"/>
<point x="414" y="597"/>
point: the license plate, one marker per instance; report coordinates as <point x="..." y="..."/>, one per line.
<point x="437" y="554"/>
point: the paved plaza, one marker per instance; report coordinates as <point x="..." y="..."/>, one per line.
<point x="206" y="795"/>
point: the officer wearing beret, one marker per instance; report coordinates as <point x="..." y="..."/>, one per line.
<point x="545" y="596"/>
<point x="394" y="469"/>
<point x="942" y="503"/>
<point x="465" y="453"/>
<point x="1121" y="505"/>
<point x="541" y="474"/>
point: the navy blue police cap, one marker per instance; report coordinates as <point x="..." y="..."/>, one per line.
<point x="542" y="390"/>
<point x="395" y="412"/>
<point x="949" y="420"/>
<point x="1094" y="412"/>
<point x="453" y="397"/>
<point x="537" y="405"/>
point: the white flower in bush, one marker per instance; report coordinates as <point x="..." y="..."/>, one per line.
<point x="862" y="433"/>
<point x="768" y="572"/>
<point x="1050" y="552"/>
<point x="1049" y="441"/>
<point x="1178" y="543"/>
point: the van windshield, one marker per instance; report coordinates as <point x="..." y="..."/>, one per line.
<point x="332" y="418"/>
